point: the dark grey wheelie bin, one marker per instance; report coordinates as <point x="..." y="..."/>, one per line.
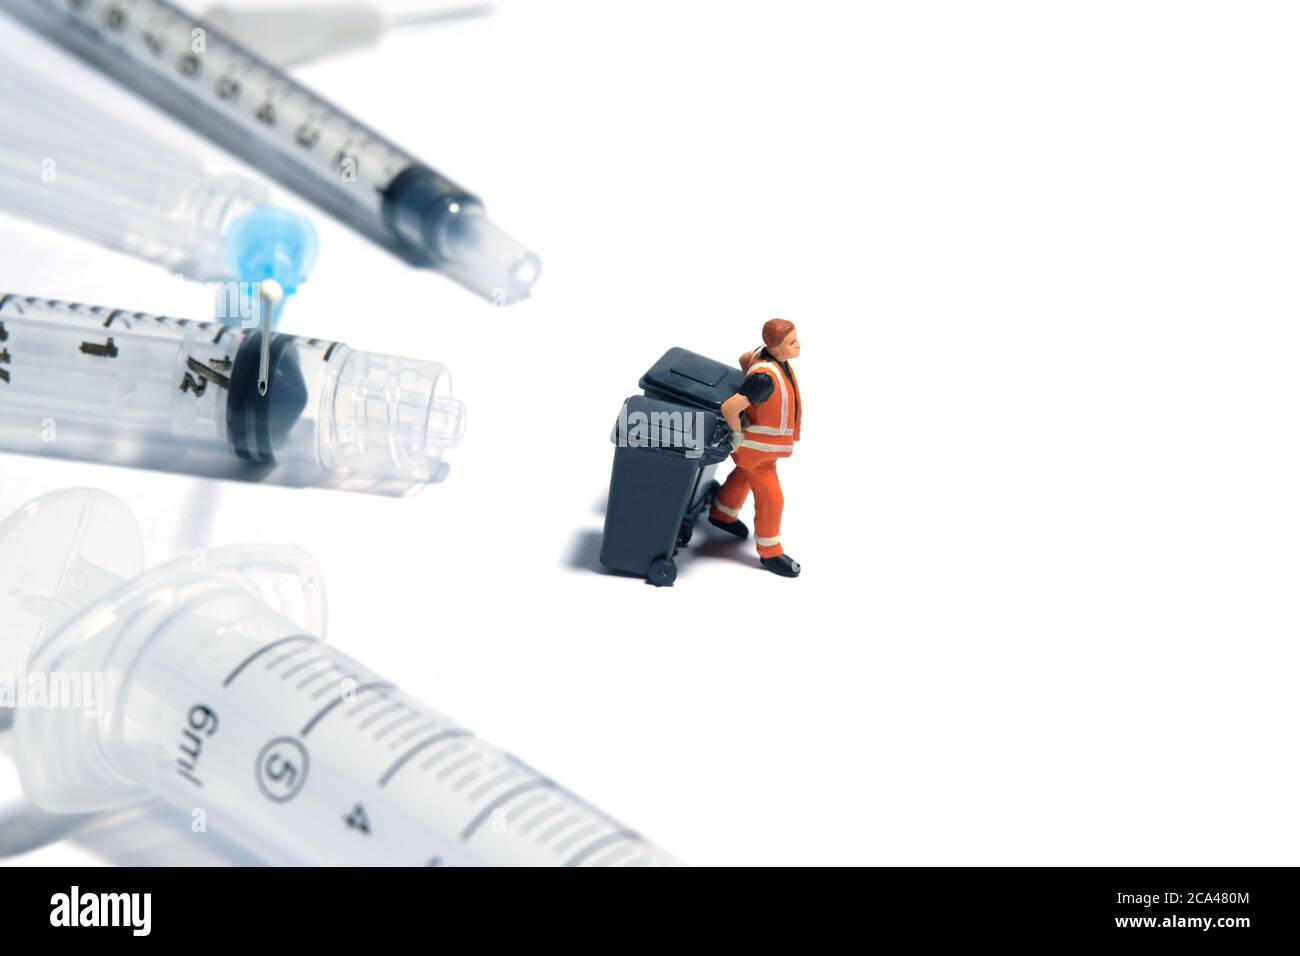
<point x="669" y="443"/>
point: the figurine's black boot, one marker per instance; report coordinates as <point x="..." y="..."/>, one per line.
<point x="783" y="565"/>
<point x="736" y="527"/>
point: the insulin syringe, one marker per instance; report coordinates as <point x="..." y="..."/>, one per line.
<point x="260" y="113"/>
<point x="206" y="684"/>
<point x="130" y="388"/>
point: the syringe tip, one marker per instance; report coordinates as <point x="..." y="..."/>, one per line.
<point x="446" y="426"/>
<point x="483" y="257"/>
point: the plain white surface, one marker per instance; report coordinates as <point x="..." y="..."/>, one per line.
<point x="1042" y="259"/>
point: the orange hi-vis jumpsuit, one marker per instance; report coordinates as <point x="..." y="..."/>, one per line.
<point x="771" y="429"/>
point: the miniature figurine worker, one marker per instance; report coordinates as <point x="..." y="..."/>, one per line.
<point x="764" y="417"/>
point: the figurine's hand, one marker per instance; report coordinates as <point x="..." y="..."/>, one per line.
<point x="736" y="439"/>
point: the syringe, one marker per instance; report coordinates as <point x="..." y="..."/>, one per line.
<point x="275" y="123"/>
<point x="130" y="388"/>
<point x="213" y="690"/>
<point x="70" y="166"/>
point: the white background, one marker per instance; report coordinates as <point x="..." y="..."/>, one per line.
<point x="1042" y="258"/>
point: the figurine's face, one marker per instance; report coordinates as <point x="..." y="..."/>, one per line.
<point x="789" y="347"/>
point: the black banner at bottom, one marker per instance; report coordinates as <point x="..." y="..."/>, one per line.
<point x="1229" y="907"/>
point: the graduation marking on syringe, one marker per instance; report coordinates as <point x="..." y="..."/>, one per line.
<point x="262" y="650"/>
<point x="602" y="843"/>
<point x="107" y="350"/>
<point x="208" y="372"/>
<point x="388" y="728"/>
<point x="314" y="676"/>
<point x="324" y="711"/>
<point x="415" y="731"/>
<point x="277" y="661"/>
<point x="423" y="745"/>
<point x="190" y="384"/>
<point x="321" y="692"/>
<point x="502" y="801"/>
<point x="374" y="718"/>
<point x="301" y="664"/>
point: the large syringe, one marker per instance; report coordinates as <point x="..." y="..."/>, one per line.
<point x="130" y="388"/>
<point x="206" y="683"/>
<point x="262" y="114"/>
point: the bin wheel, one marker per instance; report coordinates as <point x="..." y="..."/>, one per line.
<point x="684" y="533"/>
<point x="663" y="572"/>
<point x="712" y="494"/>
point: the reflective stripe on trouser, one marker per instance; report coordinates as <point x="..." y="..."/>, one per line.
<point x="759" y="475"/>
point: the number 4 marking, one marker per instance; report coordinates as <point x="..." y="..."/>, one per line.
<point x="358" y="820"/>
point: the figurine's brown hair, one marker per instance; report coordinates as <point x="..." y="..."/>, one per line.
<point x="775" y="331"/>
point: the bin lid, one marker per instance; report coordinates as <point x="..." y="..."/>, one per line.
<point x="693" y="378"/>
<point x="660" y="425"/>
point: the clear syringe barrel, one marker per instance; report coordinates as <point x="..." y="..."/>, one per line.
<point x="119" y="188"/>
<point x="219" y="697"/>
<point x="130" y="388"/>
<point x="90" y="173"/>
<point x="253" y="108"/>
